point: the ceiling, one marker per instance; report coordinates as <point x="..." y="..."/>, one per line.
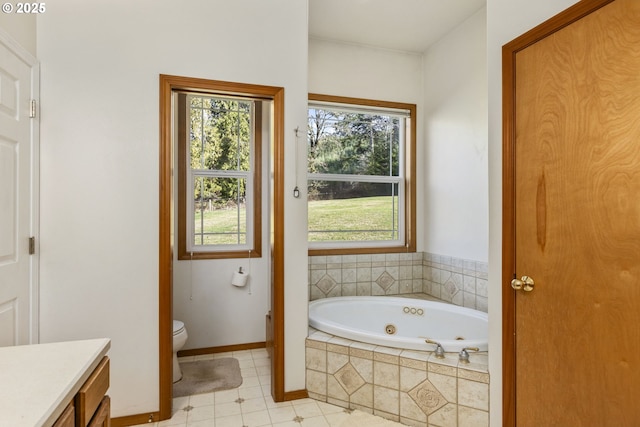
<point x="405" y="25"/>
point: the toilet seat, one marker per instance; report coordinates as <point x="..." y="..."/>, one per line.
<point x="178" y="327"/>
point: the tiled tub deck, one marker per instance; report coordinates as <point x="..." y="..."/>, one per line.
<point x="412" y="387"/>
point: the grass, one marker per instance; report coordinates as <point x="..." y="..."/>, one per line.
<point x="224" y="223"/>
<point x="365" y="218"/>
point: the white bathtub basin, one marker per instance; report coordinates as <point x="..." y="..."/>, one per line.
<point x="369" y="319"/>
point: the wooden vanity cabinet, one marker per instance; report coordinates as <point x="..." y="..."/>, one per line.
<point x="68" y="417"/>
<point x="91" y="401"/>
<point x="102" y="416"/>
<point x="58" y="384"/>
<point x="90" y="407"/>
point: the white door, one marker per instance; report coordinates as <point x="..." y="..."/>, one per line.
<point x="18" y="195"/>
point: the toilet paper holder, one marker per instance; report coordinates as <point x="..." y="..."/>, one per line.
<point x="239" y="278"/>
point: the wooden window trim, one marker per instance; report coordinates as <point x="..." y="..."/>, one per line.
<point x="409" y="183"/>
<point x="256" y="251"/>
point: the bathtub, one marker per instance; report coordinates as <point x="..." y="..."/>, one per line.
<point x="400" y="322"/>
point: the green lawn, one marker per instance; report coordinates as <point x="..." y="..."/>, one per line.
<point x="365" y="218"/>
<point x="223" y="221"/>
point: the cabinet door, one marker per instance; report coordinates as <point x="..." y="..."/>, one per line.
<point x="102" y="416"/>
<point x="67" y="419"/>
<point x="92" y="393"/>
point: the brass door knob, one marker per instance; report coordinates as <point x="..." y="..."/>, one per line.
<point x="525" y="283"/>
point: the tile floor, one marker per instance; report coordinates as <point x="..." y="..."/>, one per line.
<point x="251" y="404"/>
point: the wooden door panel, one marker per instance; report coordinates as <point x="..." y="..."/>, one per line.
<point x="577" y="222"/>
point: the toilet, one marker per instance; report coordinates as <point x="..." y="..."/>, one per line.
<point x="179" y="339"/>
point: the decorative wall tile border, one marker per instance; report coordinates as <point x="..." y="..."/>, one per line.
<point x="411" y="387"/>
<point x="459" y="281"/>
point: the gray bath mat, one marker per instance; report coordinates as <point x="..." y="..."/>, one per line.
<point x="205" y="376"/>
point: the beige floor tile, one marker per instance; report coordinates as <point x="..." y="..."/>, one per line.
<point x="249" y="373"/>
<point x="227" y="409"/>
<point x="201" y="413"/>
<point x="246" y="363"/>
<point x="179" y="418"/>
<point x="271" y="404"/>
<point x="253" y="405"/>
<point x="286" y="424"/>
<point x="319" y="421"/>
<point x="266" y="390"/>
<point x="173" y="423"/>
<point x="283" y="414"/>
<point x="179" y="403"/>
<point x="203" y="399"/>
<point x="201" y="423"/>
<point x="256" y="419"/>
<point x="230" y="421"/>
<point x="262" y="362"/>
<point x="307" y="409"/>
<point x="249" y="382"/>
<point x="251" y="392"/>
<point x="329" y="409"/>
<point x="242" y="355"/>
<point x="264" y="379"/>
<point x="263" y="370"/>
<point x="226" y="396"/>
<point x="336" y="418"/>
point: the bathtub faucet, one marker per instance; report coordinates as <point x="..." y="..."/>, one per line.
<point x="464" y="355"/>
<point x="439" y="349"/>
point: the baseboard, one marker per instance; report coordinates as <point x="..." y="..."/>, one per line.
<point x="221" y="349"/>
<point x="131" y="420"/>
<point x="295" y="395"/>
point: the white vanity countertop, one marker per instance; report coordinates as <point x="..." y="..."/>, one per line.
<point x="38" y="381"/>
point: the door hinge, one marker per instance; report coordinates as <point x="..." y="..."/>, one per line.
<point x="32" y="245"/>
<point x="32" y="110"/>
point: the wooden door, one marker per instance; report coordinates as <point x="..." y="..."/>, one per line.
<point x="572" y="219"/>
<point x="18" y="195"/>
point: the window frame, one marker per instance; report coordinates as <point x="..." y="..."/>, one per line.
<point x="407" y="186"/>
<point x="253" y="247"/>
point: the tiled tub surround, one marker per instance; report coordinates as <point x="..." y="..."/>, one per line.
<point x="459" y="281"/>
<point x="412" y="387"/>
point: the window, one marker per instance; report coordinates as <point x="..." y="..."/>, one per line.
<point x="361" y="167"/>
<point x="219" y="158"/>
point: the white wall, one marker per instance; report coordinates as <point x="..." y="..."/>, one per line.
<point x="21" y="28"/>
<point x="506" y="20"/>
<point x="99" y="163"/>
<point x="456" y="145"/>
<point x="357" y="71"/>
<point x="364" y="72"/>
